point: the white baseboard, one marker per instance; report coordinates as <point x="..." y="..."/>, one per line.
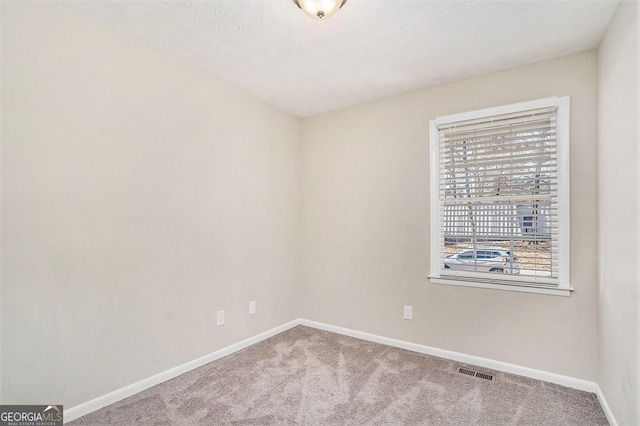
<point x="115" y="396"/>
<point x="605" y="407"/>
<point x="102" y="401"/>
<point x="559" y="379"/>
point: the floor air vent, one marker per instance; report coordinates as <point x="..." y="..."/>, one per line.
<point x="475" y="373"/>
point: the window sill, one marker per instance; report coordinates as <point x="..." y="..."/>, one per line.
<point x="565" y="292"/>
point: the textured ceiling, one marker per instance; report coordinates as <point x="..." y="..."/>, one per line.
<point x="370" y="50"/>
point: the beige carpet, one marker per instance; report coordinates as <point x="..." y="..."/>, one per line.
<point x="311" y="377"/>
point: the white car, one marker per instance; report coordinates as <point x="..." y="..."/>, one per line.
<point x="485" y="259"/>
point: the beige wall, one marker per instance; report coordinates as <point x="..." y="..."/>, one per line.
<point x="366" y="226"/>
<point x="139" y="197"/>
<point x="618" y="214"/>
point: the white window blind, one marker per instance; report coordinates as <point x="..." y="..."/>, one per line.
<point x="499" y="186"/>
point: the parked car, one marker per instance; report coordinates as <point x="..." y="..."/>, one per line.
<point x="484" y="259"/>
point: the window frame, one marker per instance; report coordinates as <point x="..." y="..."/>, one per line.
<point x="563" y="285"/>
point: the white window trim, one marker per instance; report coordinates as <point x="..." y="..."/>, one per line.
<point x="564" y="225"/>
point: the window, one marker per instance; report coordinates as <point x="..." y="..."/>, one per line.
<point x="500" y="198"/>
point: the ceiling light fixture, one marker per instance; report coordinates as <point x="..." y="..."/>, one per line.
<point x="320" y="9"/>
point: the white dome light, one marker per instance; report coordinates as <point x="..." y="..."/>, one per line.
<point x="320" y="9"/>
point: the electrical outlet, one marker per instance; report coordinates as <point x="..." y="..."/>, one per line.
<point x="252" y="307"/>
<point x="220" y="320"/>
<point x="408" y="312"/>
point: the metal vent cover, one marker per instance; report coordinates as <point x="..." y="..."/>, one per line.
<point x="473" y="373"/>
